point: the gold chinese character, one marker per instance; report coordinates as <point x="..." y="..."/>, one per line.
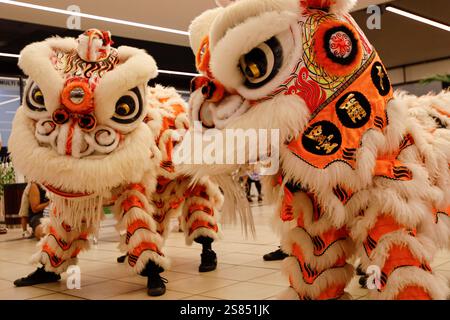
<point x="323" y="142"/>
<point x="381" y="75"/>
<point x="353" y="108"/>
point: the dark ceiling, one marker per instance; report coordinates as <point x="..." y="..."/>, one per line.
<point x="400" y="41"/>
<point x="14" y="36"/>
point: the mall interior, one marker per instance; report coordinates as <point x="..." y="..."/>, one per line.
<point x="265" y="209"/>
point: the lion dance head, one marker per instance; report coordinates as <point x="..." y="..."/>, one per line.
<point x="281" y="63"/>
<point x="80" y="128"/>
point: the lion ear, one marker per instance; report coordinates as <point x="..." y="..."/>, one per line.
<point x="332" y="6"/>
<point x="224" y="3"/>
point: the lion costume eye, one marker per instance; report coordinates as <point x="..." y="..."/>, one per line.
<point x="129" y="107"/>
<point x="35" y="98"/>
<point x="262" y="63"/>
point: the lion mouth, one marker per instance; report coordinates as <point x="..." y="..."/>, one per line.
<point x="213" y="115"/>
<point x="70" y="140"/>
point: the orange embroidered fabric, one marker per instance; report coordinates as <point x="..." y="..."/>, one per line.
<point x="198" y="207"/>
<point x="202" y="224"/>
<point x="413" y="293"/>
<point x="438" y="212"/>
<point x="385" y="224"/>
<point x="309" y="273"/>
<point x="131" y="202"/>
<point x="400" y="256"/>
<point x="335" y="131"/>
<point x="134" y="254"/>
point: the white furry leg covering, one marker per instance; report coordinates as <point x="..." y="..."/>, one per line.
<point x="317" y="267"/>
<point x="61" y="245"/>
<point x="201" y="211"/>
<point x="142" y="241"/>
<point x="168" y="200"/>
<point x="390" y="238"/>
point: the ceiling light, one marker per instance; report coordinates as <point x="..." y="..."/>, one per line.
<point x="93" y="17"/>
<point x="418" y="18"/>
<point x="9" y="101"/>
<point x="179" y="73"/>
<point x="9" y="55"/>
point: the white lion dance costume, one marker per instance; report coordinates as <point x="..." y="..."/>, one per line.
<point x="89" y="129"/>
<point x="363" y="170"/>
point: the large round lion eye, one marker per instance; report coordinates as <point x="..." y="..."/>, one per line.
<point x="125" y="109"/>
<point x="129" y="107"/>
<point x="262" y="63"/>
<point x="35" y="98"/>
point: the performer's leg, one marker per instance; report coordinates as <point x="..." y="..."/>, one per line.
<point x="142" y="242"/>
<point x="249" y="189"/>
<point x="258" y="188"/>
<point x="318" y="250"/>
<point x="200" y="213"/>
<point x="58" y="250"/>
<point x="395" y="250"/>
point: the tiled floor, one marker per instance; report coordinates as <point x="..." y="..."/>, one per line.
<point x="241" y="273"/>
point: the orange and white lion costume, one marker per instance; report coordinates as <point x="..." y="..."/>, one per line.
<point x="90" y="129"/>
<point x="363" y="170"/>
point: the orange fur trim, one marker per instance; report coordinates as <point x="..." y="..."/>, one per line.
<point x="203" y="57"/>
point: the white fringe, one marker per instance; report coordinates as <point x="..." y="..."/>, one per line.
<point x="79" y="213"/>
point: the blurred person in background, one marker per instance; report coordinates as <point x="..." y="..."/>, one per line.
<point x="34" y="204"/>
<point x="253" y="177"/>
<point x="3" y="229"/>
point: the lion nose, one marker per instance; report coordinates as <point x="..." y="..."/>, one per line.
<point x="77" y="97"/>
<point x="78" y="105"/>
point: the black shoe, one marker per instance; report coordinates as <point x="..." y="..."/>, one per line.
<point x="274" y="256"/>
<point x="37" y="277"/>
<point x="209" y="261"/>
<point x="363" y="281"/>
<point x="260" y="199"/>
<point x="359" y="271"/>
<point x="156" y="285"/>
<point x="121" y="259"/>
